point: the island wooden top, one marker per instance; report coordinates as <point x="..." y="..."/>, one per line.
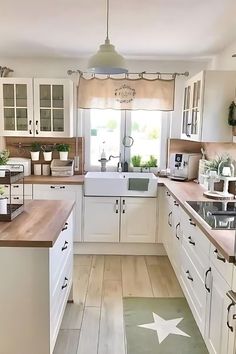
<point x="223" y="240"/>
<point x="76" y="179"/>
<point x="39" y="225"/>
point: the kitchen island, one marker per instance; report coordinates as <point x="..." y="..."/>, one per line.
<point x="36" y="262"/>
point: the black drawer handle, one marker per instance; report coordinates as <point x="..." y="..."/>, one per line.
<point x="169" y="217"/>
<point x="65" y="227"/>
<point x="62" y="187"/>
<point x="175" y="203"/>
<point x="65" y="283"/>
<point x="189" y="276"/>
<point x="206" y="275"/>
<point x="16" y="197"/>
<point x="65" y="246"/>
<point x="168" y="194"/>
<point x="191" y="222"/>
<point x="191" y="241"/>
<point x="220" y="258"/>
<point x="17" y="186"/>
<point x="228" y="311"/>
<point x="176" y="230"/>
<point x="53" y="187"/>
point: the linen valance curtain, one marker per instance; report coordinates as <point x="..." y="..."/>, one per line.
<point x="127" y="93"/>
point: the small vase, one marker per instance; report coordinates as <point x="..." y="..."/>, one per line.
<point x="3" y="205"/>
<point x="34" y="155"/>
<point x="47" y="155"/>
<point x="63" y="155"/>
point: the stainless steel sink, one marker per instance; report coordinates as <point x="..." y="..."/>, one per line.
<point x="117" y="184"/>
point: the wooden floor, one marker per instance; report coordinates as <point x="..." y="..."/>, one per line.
<point x="93" y="324"/>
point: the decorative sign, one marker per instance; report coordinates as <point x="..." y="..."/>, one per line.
<point x="125" y="94"/>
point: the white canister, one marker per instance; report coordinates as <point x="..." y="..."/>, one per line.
<point x="34" y="155"/>
<point x="46" y="169"/>
<point x="63" y="155"/>
<point x="3" y="205"/>
<point x="47" y="155"/>
<point x="37" y="169"/>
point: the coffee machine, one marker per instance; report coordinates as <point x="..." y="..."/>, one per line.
<point x="184" y="166"/>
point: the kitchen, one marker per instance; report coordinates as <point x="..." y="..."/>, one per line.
<point x="138" y="252"/>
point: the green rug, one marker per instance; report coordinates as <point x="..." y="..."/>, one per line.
<point x="161" y="326"/>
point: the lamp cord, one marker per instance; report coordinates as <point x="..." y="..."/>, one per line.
<point x="107" y="17"/>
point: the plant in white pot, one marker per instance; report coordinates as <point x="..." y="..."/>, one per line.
<point x="4" y="156"/>
<point x="63" y="150"/>
<point x="136" y="162"/>
<point x="35" y="151"/>
<point x="47" y="152"/>
<point x="152" y="164"/>
<point x="3" y="201"/>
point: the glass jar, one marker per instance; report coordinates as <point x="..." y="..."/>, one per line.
<point x="226" y="168"/>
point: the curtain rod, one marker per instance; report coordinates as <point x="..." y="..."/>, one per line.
<point x="186" y="73"/>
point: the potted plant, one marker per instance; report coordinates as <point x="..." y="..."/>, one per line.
<point x="136" y="162"/>
<point x="63" y="150"/>
<point x="35" y="150"/>
<point x="152" y="164"/>
<point x="232" y="116"/>
<point x="3" y="201"/>
<point x="47" y="152"/>
<point x="4" y="156"/>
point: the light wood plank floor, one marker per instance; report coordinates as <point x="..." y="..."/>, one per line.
<point x="93" y="324"/>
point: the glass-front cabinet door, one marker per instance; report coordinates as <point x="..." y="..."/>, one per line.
<point x="53" y="107"/>
<point x="16" y="97"/>
<point x="192" y="109"/>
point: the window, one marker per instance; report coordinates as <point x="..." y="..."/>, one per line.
<point x="107" y="128"/>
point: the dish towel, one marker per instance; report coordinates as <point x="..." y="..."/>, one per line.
<point x="138" y="184"/>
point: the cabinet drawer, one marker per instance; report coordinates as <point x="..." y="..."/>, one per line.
<point x="59" y="299"/>
<point x="195" y="242"/>
<point x="60" y="253"/>
<point x="194" y="289"/>
<point x="54" y="191"/>
<point x="17" y="189"/>
<point x="224" y="268"/>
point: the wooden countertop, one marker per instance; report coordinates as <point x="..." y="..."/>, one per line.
<point x="223" y="240"/>
<point x="39" y="225"/>
<point x="76" y="179"/>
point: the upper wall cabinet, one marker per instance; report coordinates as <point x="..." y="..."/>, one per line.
<point x="39" y="107"/>
<point x="207" y="97"/>
<point x="16" y="105"/>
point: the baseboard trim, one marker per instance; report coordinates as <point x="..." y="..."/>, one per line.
<point x="148" y="249"/>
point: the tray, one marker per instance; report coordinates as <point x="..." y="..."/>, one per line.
<point x="13" y="211"/>
<point x="11" y="177"/>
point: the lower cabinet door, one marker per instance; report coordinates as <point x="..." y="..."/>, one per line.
<point x="101" y="219"/>
<point x="138" y="220"/>
<point x="217" y="330"/>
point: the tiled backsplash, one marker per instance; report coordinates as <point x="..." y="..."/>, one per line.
<point x="20" y="147"/>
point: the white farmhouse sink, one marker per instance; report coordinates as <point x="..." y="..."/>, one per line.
<point x="117" y="184"/>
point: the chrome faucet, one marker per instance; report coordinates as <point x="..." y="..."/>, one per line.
<point x="119" y="165"/>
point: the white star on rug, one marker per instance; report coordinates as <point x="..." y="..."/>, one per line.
<point x="164" y="327"/>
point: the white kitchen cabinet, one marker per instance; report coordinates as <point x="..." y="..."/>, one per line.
<point x="101" y="219"/>
<point x="138" y="220"/>
<point x="231" y="320"/>
<point x="37" y="284"/>
<point x="217" y="331"/>
<point x="53" y="107"/>
<point x="115" y="219"/>
<point x="63" y="192"/>
<point x="207" y="97"/>
<point x="16" y="106"/>
<point x="37" y="107"/>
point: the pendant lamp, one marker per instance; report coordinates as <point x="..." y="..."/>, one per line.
<point x="107" y="60"/>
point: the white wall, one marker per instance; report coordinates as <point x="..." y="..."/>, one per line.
<point x="224" y="60"/>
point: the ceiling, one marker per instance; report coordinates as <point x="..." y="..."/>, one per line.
<point x="139" y="29"/>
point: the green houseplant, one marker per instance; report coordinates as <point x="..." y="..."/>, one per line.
<point x="63" y="150"/>
<point x="152" y="164"/>
<point x="232" y="116"/>
<point x="4" y="156"/>
<point x="136" y="162"/>
<point x="47" y="152"/>
<point x="35" y="150"/>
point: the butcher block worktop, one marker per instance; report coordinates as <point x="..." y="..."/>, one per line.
<point x="39" y="225"/>
<point x="223" y="240"/>
<point x="76" y="179"/>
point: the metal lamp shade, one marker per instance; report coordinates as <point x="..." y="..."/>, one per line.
<point x="107" y="60"/>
